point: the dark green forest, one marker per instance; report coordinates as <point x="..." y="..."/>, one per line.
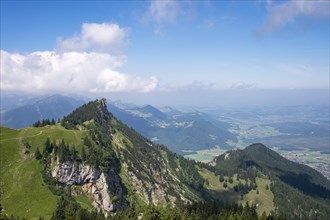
<point x="67" y="208"/>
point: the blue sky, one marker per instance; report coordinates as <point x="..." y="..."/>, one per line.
<point x="140" y="50"/>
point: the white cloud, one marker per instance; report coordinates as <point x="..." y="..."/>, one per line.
<point x="112" y="81"/>
<point x="69" y="72"/>
<point x="281" y="14"/>
<point x="105" y="37"/>
<point x="162" y="12"/>
<point x="81" y="64"/>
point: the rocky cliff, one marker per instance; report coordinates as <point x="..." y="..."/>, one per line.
<point x="104" y="189"/>
<point x="146" y="172"/>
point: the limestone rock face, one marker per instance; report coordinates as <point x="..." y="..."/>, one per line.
<point x="156" y="190"/>
<point x="102" y="188"/>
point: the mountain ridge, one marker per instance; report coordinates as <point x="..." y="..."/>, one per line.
<point x="289" y="179"/>
<point x="54" y="106"/>
<point x="177" y="130"/>
<point x="131" y="169"/>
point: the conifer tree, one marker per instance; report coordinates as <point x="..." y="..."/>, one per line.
<point x="37" y="154"/>
<point x="221" y="178"/>
<point x="48" y="146"/>
<point x="83" y="154"/>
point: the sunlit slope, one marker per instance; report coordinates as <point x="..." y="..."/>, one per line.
<point x="150" y="173"/>
<point x="23" y="190"/>
<point x="297" y="189"/>
<point x="261" y="196"/>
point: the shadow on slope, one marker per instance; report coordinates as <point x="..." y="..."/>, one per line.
<point x="303" y="183"/>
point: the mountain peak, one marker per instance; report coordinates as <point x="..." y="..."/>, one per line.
<point x="262" y="152"/>
<point x="94" y="110"/>
<point x="154" y="111"/>
<point x="102" y="105"/>
<point x="102" y="102"/>
<point x="257" y="146"/>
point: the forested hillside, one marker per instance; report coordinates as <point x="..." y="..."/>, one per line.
<point x="298" y="189"/>
<point x="92" y="166"/>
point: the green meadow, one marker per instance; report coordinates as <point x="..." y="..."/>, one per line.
<point x="23" y="191"/>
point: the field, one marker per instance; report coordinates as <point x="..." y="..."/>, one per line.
<point x="21" y="175"/>
<point x="315" y="159"/>
<point x="204" y="155"/>
<point x="263" y="200"/>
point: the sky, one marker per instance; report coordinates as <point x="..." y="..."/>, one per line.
<point x="169" y="52"/>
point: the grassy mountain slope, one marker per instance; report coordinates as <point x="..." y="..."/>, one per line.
<point x="158" y="175"/>
<point x="263" y="198"/>
<point x="297" y="175"/>
<point x="24" y="192"/>
<point x="149" y="173"/>
<point x="298" y="189"/>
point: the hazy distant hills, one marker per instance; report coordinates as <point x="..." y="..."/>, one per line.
<point x="34" y="109"/>
<point x="177" y="130"/>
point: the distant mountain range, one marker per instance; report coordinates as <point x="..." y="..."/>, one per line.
<point x="38" y="108"/>
<point x="178" y="130"/>
<point x="96" y="164"/>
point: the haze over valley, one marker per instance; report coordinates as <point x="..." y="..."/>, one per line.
<point x="165" y="109"/>
<point x="300" y="133"/>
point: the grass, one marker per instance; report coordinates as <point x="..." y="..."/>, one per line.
<point x="205" y="155"/>
<point x="23" y="192"/>
<point x="55" y="132"/>
<point x="263" y="200"/>
<point x="83" y="199"/>
<point x="218" y="191"/>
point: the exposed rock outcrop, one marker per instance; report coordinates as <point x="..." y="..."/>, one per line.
<point x="103" y="189"/>
<point x="156" y="187"/>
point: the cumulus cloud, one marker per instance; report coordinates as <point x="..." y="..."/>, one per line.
<point x="116" y="82"/>
<point x="80" y="66"/>
<point x="280" y="14"/>
<point x="69" y="72"/>
<point x="104" y="37"/>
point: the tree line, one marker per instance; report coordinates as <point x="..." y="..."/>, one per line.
<point x="44" y="122"/>
<point x="67" y="208"/>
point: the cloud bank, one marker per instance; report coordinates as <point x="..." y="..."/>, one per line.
<point x="280" y="14"/>
<point x="82" y="63"/>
